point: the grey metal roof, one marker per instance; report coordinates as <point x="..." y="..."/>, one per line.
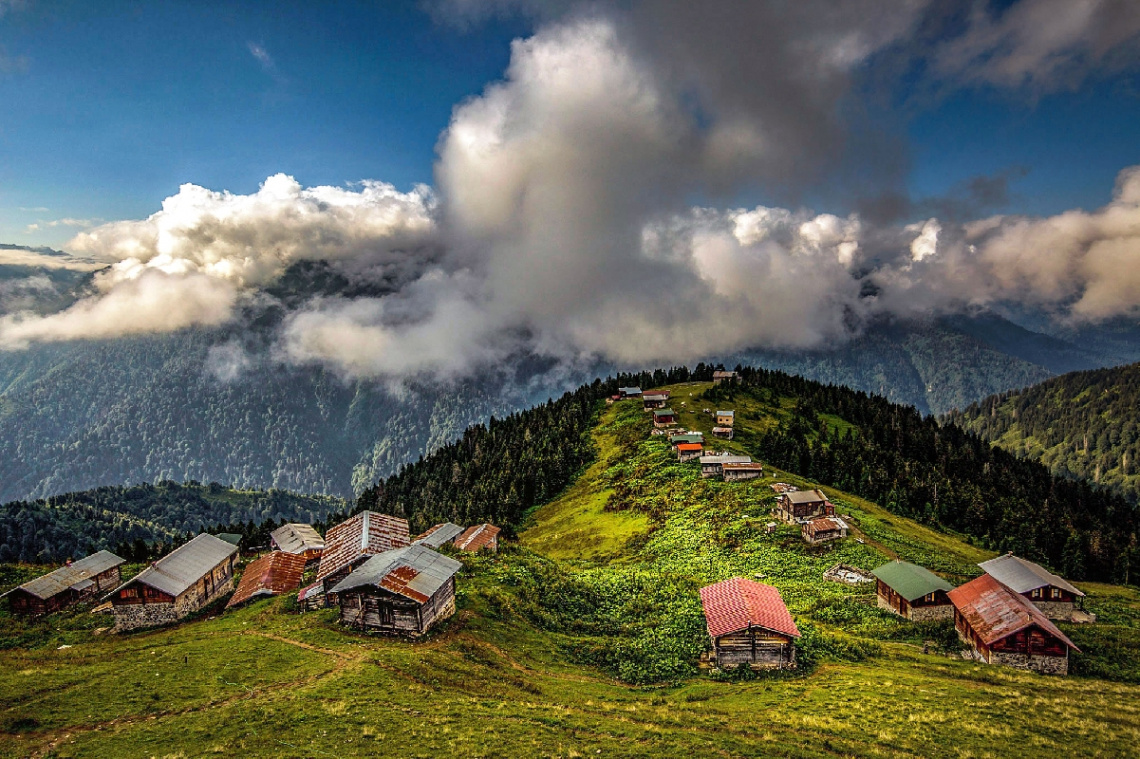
<point x="415" y="572"/>
<point x="297" y="538"/>
<point x="725" y="460"/>
<point x="179" y="570"/>
<point x="438" y="535"/>
<point x="805" y="496"/>
<point x="1022" y="576"/>
<point x="726" y="413"/>
<point x="74" y="576"/>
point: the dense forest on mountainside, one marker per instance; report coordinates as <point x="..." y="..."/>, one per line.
<point x="497" y="471"/>
<point x="142" y="520"/>
<point x="942" y="475"/>
<point x="1084" y="424"/>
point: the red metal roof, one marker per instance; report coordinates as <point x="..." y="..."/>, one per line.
<point x="274" y="573"/>
<point x="822" y="524"/>
<point x="479" y="536"/>
<point x="689" y="447"/>
<point x="738" y="604"/>
<point x="365" y="534"/>
<point x="995" y="611"/>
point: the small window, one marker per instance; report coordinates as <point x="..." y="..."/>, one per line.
<point x="1037" y="592"/>
<point x="1056" y="592"/>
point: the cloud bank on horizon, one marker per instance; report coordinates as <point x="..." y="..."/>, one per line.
<point x="560" y="222"/>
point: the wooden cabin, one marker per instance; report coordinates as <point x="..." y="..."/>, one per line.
<point x="737" y="472"/>
<point x="403" y="591"/>
<point x="478" y="537"/>
<point x="748" y="623"/>
<point x="1053" y="595"/>
<point x="725" y="418"/>
<point x="724" y="433"/>
<point x="439" y="535"/>
<point x="664" y="417"/>
<point x="912" y="591"/>
<point x="1004" y="627"/>
<point x="274" y="573"/>
<point x="312" y="596"/>
<point x="796" y="507"/>
<point x="356" y="540"/>
<point x="78" y="581"/>
<point x="629" y="392"/>
<point x="711" y="465"/>
<point x="720" y="377"/>
<point x="298" y="539"/>
<point x="822" y="530"/>
<point x="655" y="399"/>
<point x="180" y="583"/>
<point x="689" y="451"/>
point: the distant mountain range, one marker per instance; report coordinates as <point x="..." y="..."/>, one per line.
<point x="1084" y="424"/>
<point x="213" y="405"/>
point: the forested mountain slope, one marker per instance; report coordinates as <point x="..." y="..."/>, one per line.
<point x="1083" y="424"/>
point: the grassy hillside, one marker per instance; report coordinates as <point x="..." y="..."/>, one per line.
<point x="1083" y="424"/>
<point x="583" y="640"/>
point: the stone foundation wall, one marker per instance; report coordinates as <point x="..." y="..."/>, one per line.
<point x="1046" y="665"/>
<point x="931" y="613"/>
<point x="886" y="606"/>
<point x="135" y="616"/>
<point x="1055" y="609"/>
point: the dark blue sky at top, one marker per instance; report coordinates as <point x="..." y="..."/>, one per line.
<point x="108" y="107"/>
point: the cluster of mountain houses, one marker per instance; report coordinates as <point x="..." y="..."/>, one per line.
<point x="381" y="579"/>
<point x="368" y="565"/>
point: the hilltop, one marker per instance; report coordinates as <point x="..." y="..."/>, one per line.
<point x="1080" y="425"/>
<point x="583" y="638"/>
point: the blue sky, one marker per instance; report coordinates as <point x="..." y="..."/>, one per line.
<point x="109" y="107"/>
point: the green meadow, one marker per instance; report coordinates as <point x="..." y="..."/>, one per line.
<point x="583" y="639"/>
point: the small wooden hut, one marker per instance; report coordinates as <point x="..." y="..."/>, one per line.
<point x="272" y="574"/>
<point x="354" y="541"/>
<point x="478" y="537"/>
<point x="299" y="539"/>
<point x="796" y="507"/>
<point x="748" y="623"/>
<point x="822" y="530"/>
<point x="664" y="417"/>
<point x="912" y="591"/>
<point x="403" y="591"/>
<point x="67" y="585"/>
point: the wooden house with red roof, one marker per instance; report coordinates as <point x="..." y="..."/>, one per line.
<point x="403" y="591"/>
<point x="355" y="540"/>
<point x="272" y="574"/>
<point x="478" y="537"/>
<point x="748" y="623"/>
<point x="1004" y="627"/>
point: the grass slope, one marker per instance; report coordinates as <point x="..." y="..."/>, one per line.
<point x="541" y="657"/>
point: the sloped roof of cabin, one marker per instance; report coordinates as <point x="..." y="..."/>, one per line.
<point x="438" y="535"/>
<point x="277" y="572"/>
<point x="995" y="611"/>
<point x="655" y="395"/>
<point x="687" y="437"/>
<point x="750" y="466"/>
<point x="1023" y="576"/>
<point x="737" y="604"/>
<point x="824" y="524"/>
<point x="690" y="447"/>
<point x="805" y="496"/>
<point x="909" y="580"/>
<point x="476" y="537"/>
<point x="233" y="538"/>
<point x="414" y="572"/>
<point x="297" y="538"/>
<point x="176" y="572"/>
<point x="664" y="412"/>
<point x="77" y="575"/>
<point x="365" y="534"/>
<point x="718" y="459"/>
<point x="726" y="413"/>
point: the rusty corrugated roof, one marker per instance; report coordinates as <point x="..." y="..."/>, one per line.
<point x="365" y="534"/>
<point x="995" y="611"/>
<point x="805" y="496"/>
<point x="824" y="524"/>
<point x="277" y="572"/>
<point x="737" y="604"/>
<point x="414" y="572"/>
<point x="476" y="537"/>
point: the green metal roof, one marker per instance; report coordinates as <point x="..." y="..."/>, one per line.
<point x="232" y="538"/>
<point x="664" y="412"/>
<point x="910" y="581"/>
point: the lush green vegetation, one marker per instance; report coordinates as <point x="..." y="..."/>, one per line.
<point x="579" y="657"/>
<point x="1083" y="424"/>
<point x="140" y="521"/>
<point x="940" y="475"/>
